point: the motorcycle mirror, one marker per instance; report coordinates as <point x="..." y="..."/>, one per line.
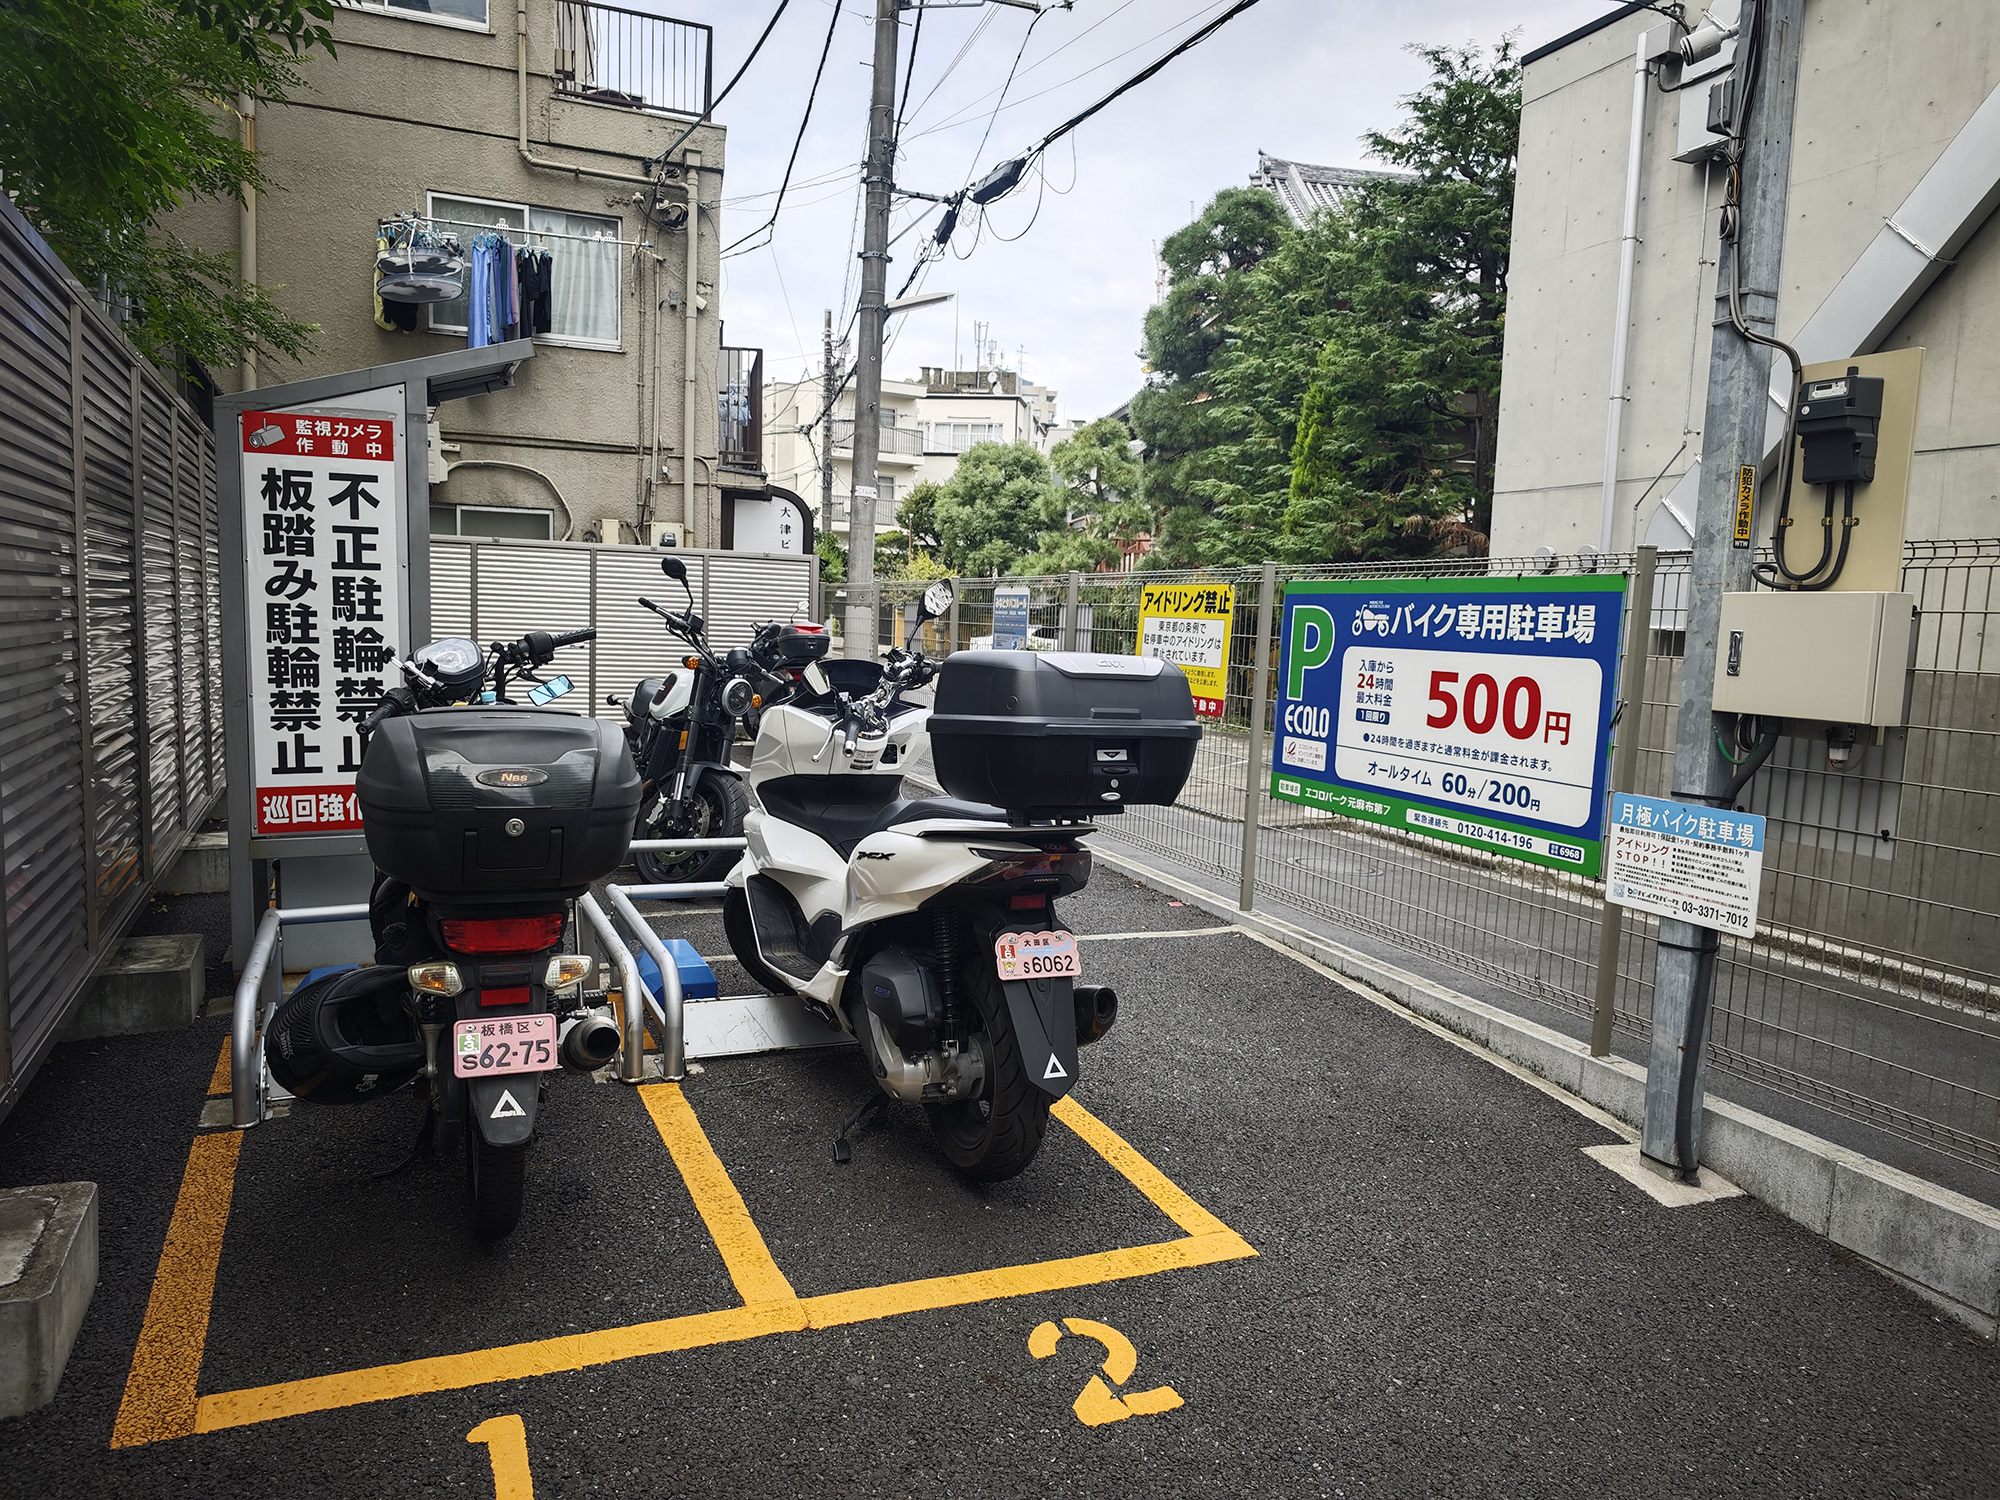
<point x="816" y="677"/>
<point x="936" y="601"/>
<point x="674" y="568"/>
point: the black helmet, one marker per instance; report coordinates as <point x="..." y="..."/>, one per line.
<point x="345" y="1038"/>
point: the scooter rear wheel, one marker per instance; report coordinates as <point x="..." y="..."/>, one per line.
<point x="495" y="1180"/>
<point x="995" y="1136"/>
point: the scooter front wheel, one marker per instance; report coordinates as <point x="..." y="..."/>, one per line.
<point x="995" y="1136"/>
<point x="716" y="809"/>
<point x="495" y="1180"/>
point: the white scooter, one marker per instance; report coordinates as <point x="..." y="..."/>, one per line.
<point x="927" y="928"/>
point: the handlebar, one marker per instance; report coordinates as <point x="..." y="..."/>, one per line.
<point x="573" y="637"/>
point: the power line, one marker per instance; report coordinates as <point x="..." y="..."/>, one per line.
<point x="980" y="149"/>
<point x="769" y="27"/>
<point x="797" y="141"/>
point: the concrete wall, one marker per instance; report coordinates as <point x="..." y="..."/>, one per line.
<point x="1883" y="89"/>
<point x="410" y="107"/>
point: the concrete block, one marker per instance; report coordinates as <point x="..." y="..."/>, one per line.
<point x="1615" y="1086"/>
<point x="202" y="869"/>
<point x="149" y="984"/>
<point x="1538" y="1049"/>
<point x="1942" y="1241"/>
<point x="48" y="1270"/>
<point x="1785" y="1167"/>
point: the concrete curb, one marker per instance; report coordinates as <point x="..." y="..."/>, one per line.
<point x="1942" y="1245"/>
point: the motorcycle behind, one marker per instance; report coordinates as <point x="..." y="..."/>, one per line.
<point x="486" y="819"/>
<point x="927" y="928"/>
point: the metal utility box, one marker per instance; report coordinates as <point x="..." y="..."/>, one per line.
<point x="1838" y="658"/>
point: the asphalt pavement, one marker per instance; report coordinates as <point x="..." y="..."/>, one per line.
<point x="1290" y="1243"/>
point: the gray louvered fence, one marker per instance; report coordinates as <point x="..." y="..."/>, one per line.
<point x="110" y="713"/>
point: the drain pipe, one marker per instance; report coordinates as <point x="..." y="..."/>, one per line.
<point x="521" y="113"/>
<point x="246" y="230"/>
<point x="692" y="168"/>
<point x="1627" y="258"/>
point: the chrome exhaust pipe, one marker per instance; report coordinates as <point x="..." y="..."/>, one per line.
<point x="587" y="1042"/>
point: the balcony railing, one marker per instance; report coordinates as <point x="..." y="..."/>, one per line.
<point x="739" y="411"/>
<point x="897" y="442"/>
<point x="626" y="57"/>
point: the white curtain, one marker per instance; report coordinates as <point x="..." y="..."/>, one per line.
<point x="585" y="281"/>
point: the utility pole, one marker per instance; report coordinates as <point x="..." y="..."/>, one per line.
<point x="877" y="179"/>
<point x="1739" y="373"/>
<point x="827" y="388"/>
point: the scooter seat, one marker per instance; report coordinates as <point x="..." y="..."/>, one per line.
<point x="643" y="696"/>
<point x="925" y="809"/>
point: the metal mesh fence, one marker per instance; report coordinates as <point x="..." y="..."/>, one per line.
<point x="1872" y="988"/>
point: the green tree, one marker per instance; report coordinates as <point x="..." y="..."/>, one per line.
<point x="1102" y="510"/>
<point x="1381" y="462"/>
<point x="115" y="112"/>
<point x="995" y="508"/>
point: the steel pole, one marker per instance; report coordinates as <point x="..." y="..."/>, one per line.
<point x="1260" y="697"/>
<point x="1624" y="767"/>
<point x="1732" y="436"/>
<point x="827" y="390"/>
<point x="881" y="165"/>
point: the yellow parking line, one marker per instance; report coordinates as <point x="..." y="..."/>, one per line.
<point x="219" y="1082"/>
<point x="736" y="1235"/>
<point x="1142" y="1174"/>
<point x="160" y="1400"/>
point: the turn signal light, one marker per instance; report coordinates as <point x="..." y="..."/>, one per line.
<point x="566" y="969"/>
<point x="691" y="662"/>
<point x="436" y="979"/>
<point x="502" y="934"/>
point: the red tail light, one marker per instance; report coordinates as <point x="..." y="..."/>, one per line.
<point x="502" y="934"/>
<point x="516" y="995"/>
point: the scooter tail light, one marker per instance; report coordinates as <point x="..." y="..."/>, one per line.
<point x="436" y="979"/>
<point x="566" y="969"/>
<point x="502" y="934"/>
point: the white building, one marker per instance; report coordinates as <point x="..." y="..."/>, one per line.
<point x="1895" y="165"/>
<point x="926" y="424"/>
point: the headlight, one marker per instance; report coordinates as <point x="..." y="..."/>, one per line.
<point x="738" y="697"/>
<point x="567" y="969"/>
<point x="436" y="979"/>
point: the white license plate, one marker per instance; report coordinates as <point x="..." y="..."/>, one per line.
<point x="507" y="1044"/>
<point x="1036" y="955"/>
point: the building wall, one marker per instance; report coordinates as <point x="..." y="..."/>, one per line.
<point x="410" y="107"/>
<point x="1883" y="89"/>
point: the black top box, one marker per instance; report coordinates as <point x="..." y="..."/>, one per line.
<point x="1048" y="731"/>
<point x="488" y="805"/>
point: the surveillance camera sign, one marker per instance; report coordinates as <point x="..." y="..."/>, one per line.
<point x="323" y="604"/>
<point x="1472" y="710"/>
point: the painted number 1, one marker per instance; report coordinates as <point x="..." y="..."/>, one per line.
<point x="1097" y="1406"/>
<point x="506" y="1440"/>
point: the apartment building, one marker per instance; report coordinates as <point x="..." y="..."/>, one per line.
<point x="560" y="139"/>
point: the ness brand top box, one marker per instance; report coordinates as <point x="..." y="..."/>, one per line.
<point x="477" y="805"/>
<point x="1062" y="730"/>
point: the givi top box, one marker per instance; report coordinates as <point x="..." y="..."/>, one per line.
<point x="484" y="804"/>
<point x="1048" y="731"/>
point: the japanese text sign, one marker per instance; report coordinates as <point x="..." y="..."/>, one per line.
<point x="1699" y="864"/>
<point x="323" y="528"/>
<point x="1188" y="625"/>
<point x="1010" y="618"/>
<point x="1474" y="710"/>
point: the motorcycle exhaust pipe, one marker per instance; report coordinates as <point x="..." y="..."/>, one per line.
<point x="588" y="1042"/>
<point x="1096" y="1012"/>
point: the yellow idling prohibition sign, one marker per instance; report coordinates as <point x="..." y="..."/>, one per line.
<point x="1188" y="625"/>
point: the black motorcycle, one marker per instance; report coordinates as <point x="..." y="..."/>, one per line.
<point x="680" y="729"/>
<point x="486" y="820"/>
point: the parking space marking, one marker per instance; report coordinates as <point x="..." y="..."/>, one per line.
<point x="219" y="1081"/>
<point x="1097" y="1406"/>
<point x="160" y="1400"/>
<point x="736" y="1235"/>
<point x="506" y="1443"/>
<point x="1172" y="932"/>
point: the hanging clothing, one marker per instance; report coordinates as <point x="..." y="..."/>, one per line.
<point x="537" y="293"/>
<point x="479" y="328"/>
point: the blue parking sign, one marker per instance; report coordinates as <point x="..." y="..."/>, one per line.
<point x="1473" y="710"/>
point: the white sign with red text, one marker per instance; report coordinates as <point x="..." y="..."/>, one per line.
<point x="323" y="528"/>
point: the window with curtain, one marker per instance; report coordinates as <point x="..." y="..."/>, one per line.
<point x="956" y="437"/>
<point x="473" y="11"/>
<point x="584" y="265"/>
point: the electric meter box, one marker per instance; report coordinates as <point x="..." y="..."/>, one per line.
<point x="1837" y="658"/>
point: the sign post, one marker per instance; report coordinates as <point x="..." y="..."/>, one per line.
<point x="1188" y="625"/>
<point x="1473" y="710"/>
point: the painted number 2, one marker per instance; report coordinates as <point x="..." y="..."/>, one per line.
<point x="1097" y="1406"/>
<point x="506" y="1440"/>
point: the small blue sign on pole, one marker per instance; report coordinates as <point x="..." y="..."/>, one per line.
<point x="1702" y="865"/>
<point x="1010" y="618"/>
<point x="1473" y="710"/>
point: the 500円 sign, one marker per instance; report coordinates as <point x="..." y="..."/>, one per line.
<point x="1188" y="625"/>
<point x="1475" y="710"/>
<point x="323" y="603"/>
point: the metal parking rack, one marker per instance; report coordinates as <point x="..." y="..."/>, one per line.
<point x="260" y="988"/>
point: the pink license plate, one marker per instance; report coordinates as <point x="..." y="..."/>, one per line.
<point x="1036" y="955"/>
<point x="513" y="1044"/>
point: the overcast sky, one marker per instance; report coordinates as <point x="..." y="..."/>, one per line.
<point x="1298" y="78"/>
